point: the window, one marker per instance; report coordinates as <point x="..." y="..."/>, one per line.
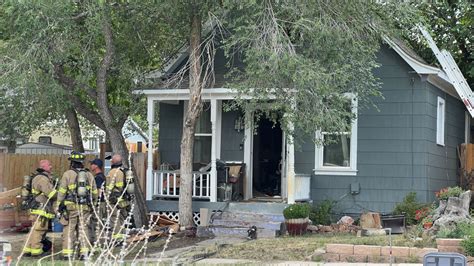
<point x="44" y="139"/>
<point x="440" y="117"/>
<point x="339" y="157"/>
<point x="203" y="137"/>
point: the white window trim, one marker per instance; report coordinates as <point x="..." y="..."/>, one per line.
<point x="319" y="149"/>
<point x="440" y="121"/>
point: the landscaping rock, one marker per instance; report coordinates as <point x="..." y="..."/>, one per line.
<point x="347" y="220"/>
<point x="325" y="229"/>
<point x="370" y="220"/>
<point x="373" y="232"/>
<point x="452" y="212"/>
<point x="312" y="228"/>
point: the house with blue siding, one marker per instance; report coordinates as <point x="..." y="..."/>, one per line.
<point x="407" y="143"/>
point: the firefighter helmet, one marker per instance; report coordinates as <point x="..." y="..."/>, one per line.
<point x="77" y="157"/>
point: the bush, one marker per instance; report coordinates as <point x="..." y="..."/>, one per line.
<point x="321" y="214"/>
<point x="447" y="192"/>
<point x="296" y="211"/>
<point x="468" y="245"/>
<point x="462" y="230"/>
<point x="408" y="206"/>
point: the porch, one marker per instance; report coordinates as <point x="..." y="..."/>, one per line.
<point x="164" y="184"/>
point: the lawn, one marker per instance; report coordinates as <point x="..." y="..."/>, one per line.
<point x="304" y="247"/>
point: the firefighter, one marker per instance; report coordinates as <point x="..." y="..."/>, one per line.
<point x="42" y="192"/>
<point x="77" y="193"/>
<point x="118" y="198"/>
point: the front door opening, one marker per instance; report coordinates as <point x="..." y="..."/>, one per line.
<point x="267" y="148"/>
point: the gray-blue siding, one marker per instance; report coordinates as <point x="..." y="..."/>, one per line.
<point x="397" y="151"/>
<point x="171" y="121"/>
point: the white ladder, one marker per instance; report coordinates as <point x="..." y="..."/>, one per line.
<point x="452" y="71"/>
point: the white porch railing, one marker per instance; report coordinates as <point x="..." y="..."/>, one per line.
<point x="167" y="183"/>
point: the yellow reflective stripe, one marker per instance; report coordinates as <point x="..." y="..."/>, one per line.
<point x="88" y="187"/>
<point x="84" y="250"/>
<point x="67" y="251"/>
<point x="71" y="186"/>
<point x="52" y="193"/>
<point x="36" y="251"/>
<point x="110" y="187"/>
<point x="67" y="202"/>
<point x="118" y="236"/>
<point x="119" y="184"/>
<point x="95" y="191"/>
<point x="62" y="190"/>
<point x="34" y="191"/>
<point x="27" y="250"/>
<point x="43" y="213"/>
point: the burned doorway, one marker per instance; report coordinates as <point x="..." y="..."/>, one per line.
<point x="267" y="150"/>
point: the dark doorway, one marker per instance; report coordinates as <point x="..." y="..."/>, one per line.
<point x="267" y="147"/>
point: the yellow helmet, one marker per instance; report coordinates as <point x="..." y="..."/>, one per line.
<point x="77" y="157"/>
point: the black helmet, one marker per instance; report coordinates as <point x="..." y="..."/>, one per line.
<point x="77" y="157"/>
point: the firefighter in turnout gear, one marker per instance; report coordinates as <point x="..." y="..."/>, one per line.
<point x="38" y="195"/>
<point x="118" y="198"/>
<point x="77" y="193"/>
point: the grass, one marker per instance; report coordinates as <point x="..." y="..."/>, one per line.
<point x="303" y="247"/>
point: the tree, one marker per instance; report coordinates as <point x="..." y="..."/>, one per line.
<point x="312" y="55"/>
<point x="451" y="23"/>
<point x="84" y="56"/>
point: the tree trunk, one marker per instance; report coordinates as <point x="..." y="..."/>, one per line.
<point x="189" y="125"/>
<point x="112" y="124"/>
<point x="74" y="129"/>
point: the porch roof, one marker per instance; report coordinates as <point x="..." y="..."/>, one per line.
<point x="183" y="94"/>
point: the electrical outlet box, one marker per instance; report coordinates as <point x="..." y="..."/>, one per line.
<point x="355" y="188"/>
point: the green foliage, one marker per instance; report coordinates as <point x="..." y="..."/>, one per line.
<point x="408" y="206"/>
<point x="321" y="213"/>
<point x="312" y="55"/>
<point x="445" y="193"/>
<point x="462" y="230"/>
<point x="468" y="245"/>
<point x="297" y="210"/>
<point x="451" y="24"/>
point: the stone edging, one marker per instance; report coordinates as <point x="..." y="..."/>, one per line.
<point x="376" y="254"/>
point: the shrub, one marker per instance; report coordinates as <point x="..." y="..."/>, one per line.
<point x="297" y="210"/>
<point x="447" y="192"/>
<point x="462" y="230"/>
<point x="321" y="213"/>
<point x="468" y="245"/>
<point x="408" y="206"/>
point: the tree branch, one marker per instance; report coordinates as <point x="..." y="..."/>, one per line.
<point x="70" y="86"/>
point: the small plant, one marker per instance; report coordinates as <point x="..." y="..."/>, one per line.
<point x="420" y="214"/>
<point x="427" y="219"/>
<point x="461" y="231"/>
<point x="408" y="207"/>
<point x="321" y="213"/>
<point x="447" y="192"/>
<point x="296" y="211"/>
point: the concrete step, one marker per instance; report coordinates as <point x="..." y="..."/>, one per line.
<point x="219" y="231"/>
<point x="254" y="207"/>
<point x="250" y="216"/>
<point x="247" y="224"/>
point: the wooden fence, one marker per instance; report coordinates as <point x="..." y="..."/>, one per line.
<point x="14" y="166"/>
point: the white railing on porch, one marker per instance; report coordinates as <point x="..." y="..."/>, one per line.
<point x="167" y="183"/>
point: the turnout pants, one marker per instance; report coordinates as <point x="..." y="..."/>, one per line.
<point x="116" y="222"/>
<point x="75" y="230"/>
<point x="38" y="232"/>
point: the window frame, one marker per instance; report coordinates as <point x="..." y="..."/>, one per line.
<point x="319" y="168"/>
<point x="440" y="121"/>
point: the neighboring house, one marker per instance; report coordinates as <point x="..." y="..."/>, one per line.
<point x="43" y="148"/>
<point x="408" y="144"/>
<point x="92" y="137"/>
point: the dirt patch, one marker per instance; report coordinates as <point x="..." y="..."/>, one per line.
<point x="177" y="241"/>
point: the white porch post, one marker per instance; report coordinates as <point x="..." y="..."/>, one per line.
<point x="213" y="184"/>
<point x="290" y="176"/>
<point x="149" y="171"/>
